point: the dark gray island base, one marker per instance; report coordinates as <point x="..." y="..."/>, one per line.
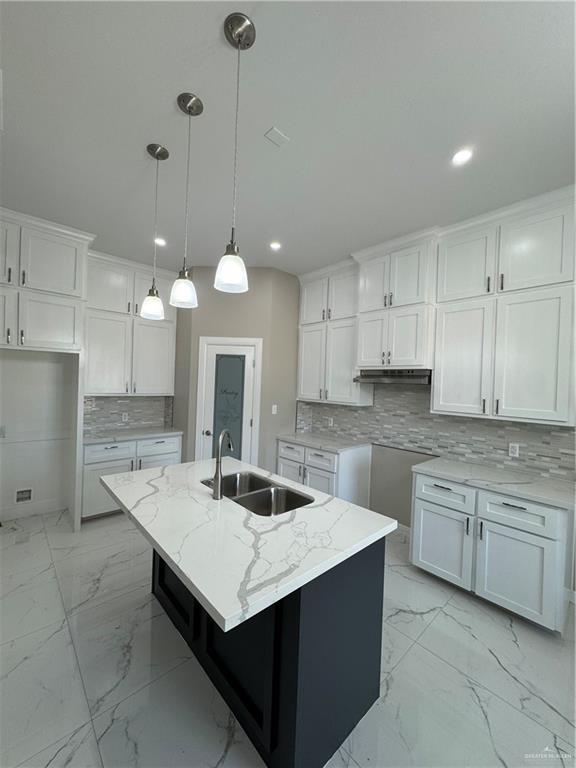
<point x="300" y="674"/>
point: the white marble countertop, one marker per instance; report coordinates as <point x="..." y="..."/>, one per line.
<point x="234" y="562"/>
<point x="322" y="442"/>
<point x="123" y="435"/>
<point x="557" y="493"/>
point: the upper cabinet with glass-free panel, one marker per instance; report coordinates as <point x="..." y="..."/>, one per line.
<point x="110" y="285"/>
<point x="9" y="252"/>
<point x="467" y="264"/>
<point x="313" y="301"/>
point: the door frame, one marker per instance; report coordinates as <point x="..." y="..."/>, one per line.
<point x="229" y="341"/>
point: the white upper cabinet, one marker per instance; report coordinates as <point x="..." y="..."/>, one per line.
<point x="467" y="264"/>
<point x="110" y="286"/>
<point x="532" y="357"/>
<point x="408" y="337"/>
<point x="49" y="322"/>
<point x="311" y="362"/>
<point x="372" y="339"/>
<point x="8" y="317"/>
<point x="51" y="262"/>
<point x="341" y="361"/>
<point x="108" y="353"/>
<point x="143" y="283"/>
<point x="314" y="301"/>
<point x="407" y="276"/>
<point x="373" y="285"/>
<point x="342" y="295"/>
<point x="153" y="358"/>
<point x="462" y="381"/>
<point x="9" y="251"/>
<point x="537" y="250"/>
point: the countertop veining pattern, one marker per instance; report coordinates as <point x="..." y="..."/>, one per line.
<point x="234" y="562"/>
<point x="531" y="487"/>
<point x="322" y="442"/>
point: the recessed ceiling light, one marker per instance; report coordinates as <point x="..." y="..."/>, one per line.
<point x="160" y="241"/>
<point x="275" y="245"/>
<point x="463" y="156"/>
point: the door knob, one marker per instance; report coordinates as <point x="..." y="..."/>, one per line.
<point x="207" y="433"/>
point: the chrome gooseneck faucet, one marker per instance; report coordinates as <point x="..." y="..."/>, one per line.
<point x="217" y="483"/>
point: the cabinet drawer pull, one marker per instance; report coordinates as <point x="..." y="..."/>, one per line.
<point x="22" y="337"/>
<point x="488" y="284"/>
<point x="160" y="442"/>
<point x="514" y="506"/>
<point x="289" y="448"/>
<point x="9" y="274"/>
<point x="110" y="447"/>
<point x="443" y="487"/>
<point x="502" y="281"/>
<point x="320" y="455"/>
<point x="467" y="526"/>
<point x="481" y="529"/>
<point x="23" y="277"/>
<point x="8" y="337"/>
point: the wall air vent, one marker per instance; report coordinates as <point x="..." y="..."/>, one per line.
<point x="24" y="495"/>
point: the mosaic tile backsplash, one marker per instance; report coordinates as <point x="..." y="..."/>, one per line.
<point x="401" y="418"/>
<point x="105" y="413"/>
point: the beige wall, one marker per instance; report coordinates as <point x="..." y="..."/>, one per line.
<point x="268" y="311"/>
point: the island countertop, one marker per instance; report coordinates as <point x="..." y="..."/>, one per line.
<point x="234" y="562"/>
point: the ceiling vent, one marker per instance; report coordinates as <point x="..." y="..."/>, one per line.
<point x="276" y="137"/>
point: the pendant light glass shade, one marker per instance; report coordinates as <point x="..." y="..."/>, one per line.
<point x="183" y="293"/>
<point x="152" y="307"/>
<point x="231" y="276"/>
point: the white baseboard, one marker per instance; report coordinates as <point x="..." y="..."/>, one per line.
<point x="27" y="509"/>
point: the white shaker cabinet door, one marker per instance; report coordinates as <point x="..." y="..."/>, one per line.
<point x="95" y="498"/>
<point x="372" y="339"/>
<point x="517" y="571"/>
<point x="8" y="317"/>
<point x="321" y="480"/>
<point x="341" y="361"/>
<point x="108" y="353"/>
<point x="462" y="381"/>
<point x="50" y="262"/>
<point x="49" y="322"/>
<point x="537" y="250"/>
<point x="314" y="301"/>
<point x="373" y="284"/>
<point x="342" y="295"/>
<point x="153" y="357"/>
<point x="311" y="362"/>
<point x="291" y="470"/>
<point x="532" y="360"/>
<point x="408" y="272"/>
<point x="9" y="252"/>
<point x="408" y="336"/>
<point x="467" y="264"/>
<point x="143" y="283"/>
<point x="110" y="286"/>
<point x="443" y="542"/>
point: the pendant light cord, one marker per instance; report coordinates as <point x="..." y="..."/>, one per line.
<point x="235" y="187"/>
<point x="155" y="223"/>
<point x="187" y="191"/>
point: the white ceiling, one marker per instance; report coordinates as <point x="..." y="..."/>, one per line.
<point x="375" y="98"/>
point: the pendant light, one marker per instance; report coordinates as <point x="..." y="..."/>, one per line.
<point x="183" y="293"/>
<point x="152" y="307"/>
<point x="231" y="276"/>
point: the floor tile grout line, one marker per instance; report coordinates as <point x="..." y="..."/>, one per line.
<point x="489" y="690"/>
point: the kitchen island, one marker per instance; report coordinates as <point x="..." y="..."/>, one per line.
<point x="284" y="612"/>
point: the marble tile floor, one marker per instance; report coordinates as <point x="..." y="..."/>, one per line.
<point x="94" y="675"/>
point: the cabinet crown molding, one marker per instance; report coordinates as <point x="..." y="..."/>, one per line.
<point x="342" y="266"/>
<point x="24" y="220"/>
<point x="135" y="265"/>
<point x="406" y="241"/>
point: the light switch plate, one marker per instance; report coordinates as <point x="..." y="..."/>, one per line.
<point x="274" y="409"/>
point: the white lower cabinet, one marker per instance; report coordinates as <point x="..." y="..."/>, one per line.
<point x="121" y="456"/>
<point x="320" y="480"/>
<point x="443" y="542"/>
<point x="291" y="470"/>
<point x="504" y="562"/>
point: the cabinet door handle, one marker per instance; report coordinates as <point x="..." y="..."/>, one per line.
<point x="136" y="309"/>
<point x="488" y="284"/>
<point x="325" y="394"/>
<point x="22" y="337"/>
<point x="467" y="526"/>
<point x="9" y="274"/>
<point x="323" y="314"/>
<point x="320" y="393"/>
<point x="501" y="281"/>
<point x="389" y="353"/>
<point x="329" y="314"/>
<point x="514" y="506"/>
<point x="126" y="387"/>
<point x="443" y="487"/>
<point x="390" y="297"/>
<point x="483" y="405"/>
<point x="385" y="299"/>
<point x="300" y="470"/>
<point x="23" y="277"/>
<point x="131" y="465"/>
<point x="497" y="406"/>
<point x="304" y="473"/>
<point x="8" y="337"/>
<point x="134" y="388"/>
<point x="129" y="305"/>
<point x="481" y="529"/>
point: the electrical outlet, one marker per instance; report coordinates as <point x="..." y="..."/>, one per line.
<point x="274" y="409"/>
<point x="330" y="421"/>
<point x="124" y="417"/>
<point x="514" y="450"/>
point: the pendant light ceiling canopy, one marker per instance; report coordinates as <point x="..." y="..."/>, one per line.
<point x="152" y="307"/>
<point x="231" y="276"/>
<point x="183" y="294"/>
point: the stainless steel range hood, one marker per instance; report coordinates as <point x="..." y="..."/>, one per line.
<point x="403" y="376"/>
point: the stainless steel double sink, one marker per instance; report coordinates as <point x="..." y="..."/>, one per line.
<point x="260" y="495"/>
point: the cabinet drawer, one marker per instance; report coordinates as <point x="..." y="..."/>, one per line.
<point x="321" y="459"/>
<point x="291" y="451"/>
<point x="109" y="452"/>
<point x="447" y="494"/>
<point x="158" y="460"/>
<point x="520" y="514"/>
<point x="157" y="445"/>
